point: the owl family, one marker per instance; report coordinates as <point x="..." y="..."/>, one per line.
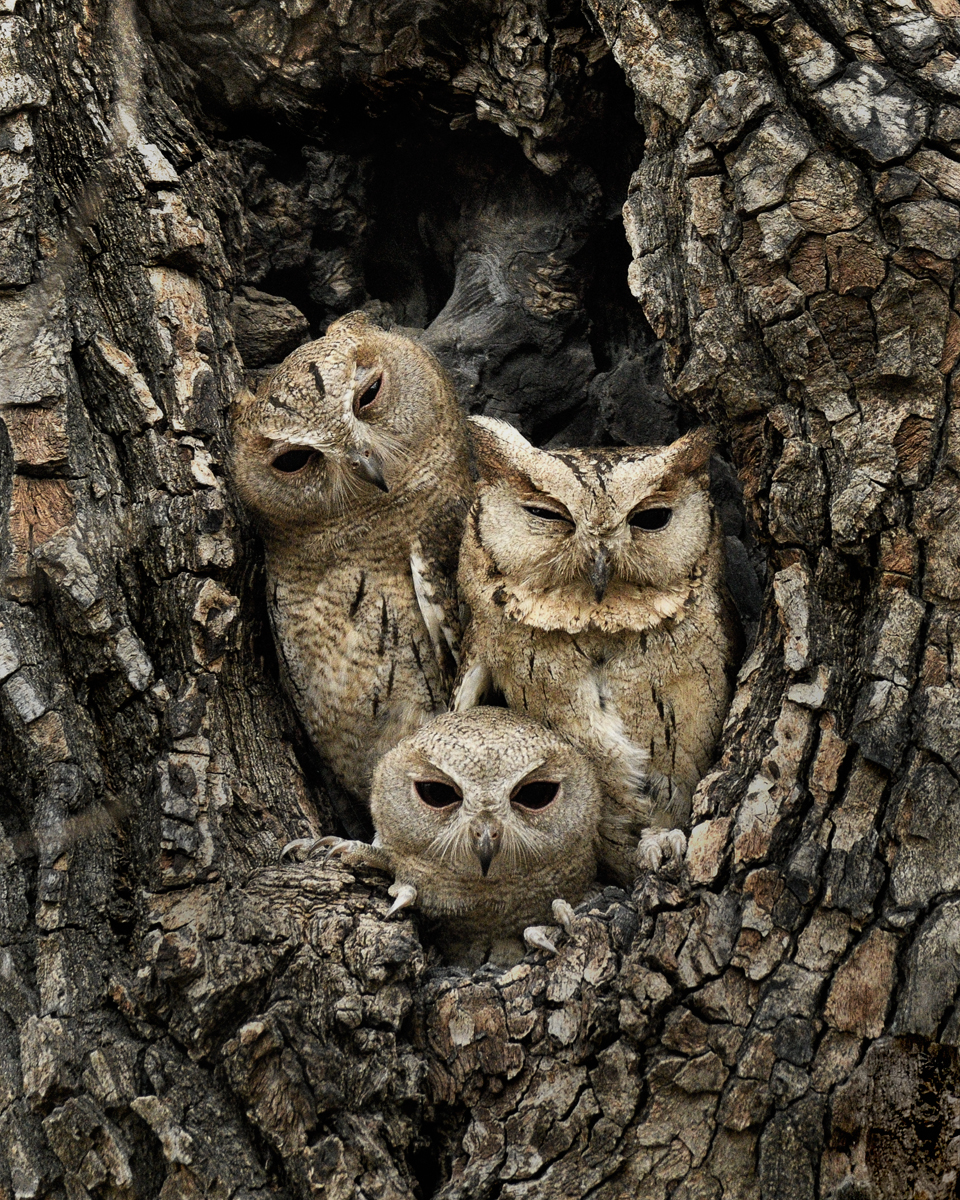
<point x="595" y="583"/>
<point x="485" y="819"/>
<point x="598" y="614"/>
<point x="353" y="458"/>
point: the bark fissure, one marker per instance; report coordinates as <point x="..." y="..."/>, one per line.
<point x="184" y="187"/>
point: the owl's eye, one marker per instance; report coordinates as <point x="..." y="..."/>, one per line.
<point x="535" y="795"/>
<point x="292" y="461"/>
<point x="651" y="518"/>
<point x="436" y="794"/>
<point x="545" y="514"/>
<point x="367" y="398"/>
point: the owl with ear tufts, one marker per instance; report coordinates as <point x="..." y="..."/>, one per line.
<point x="488" y="822"/>
<point x="353" y="459"/>
<point x="595" y="583"/>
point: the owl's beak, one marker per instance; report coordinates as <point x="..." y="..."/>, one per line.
<point x="367" y="465"/>
<point x="599" y="574"/>
<point x="485" y="842"/>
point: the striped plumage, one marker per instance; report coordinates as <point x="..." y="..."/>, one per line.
<point x="595" y="582"/>
<point x="488" y="824"/>
<point x="359" y="579"/>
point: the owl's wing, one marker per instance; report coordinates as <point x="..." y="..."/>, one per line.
<point x="433" y="565"/>
<point x="440" y="617"/>
<point x="472" y="687"/>
<point x="474" y="683"/>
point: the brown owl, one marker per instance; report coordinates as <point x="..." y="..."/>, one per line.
<point x="353" y="457"/>
<point x="595" y="584"/>
<point x="488" y="823"/>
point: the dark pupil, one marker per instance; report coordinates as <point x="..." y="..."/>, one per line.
<point x="437" y="795"/>
<point x="536" y="795"/>
<point x="293" y="460"/>
<point x="651" y="518"/>
<point x="547" y="513"/>
<point x="369" y="395"/>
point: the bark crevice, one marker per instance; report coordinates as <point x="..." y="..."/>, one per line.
<point x="186" y="193"/>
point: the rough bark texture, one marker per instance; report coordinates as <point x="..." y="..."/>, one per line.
<point x="189" y="188"/>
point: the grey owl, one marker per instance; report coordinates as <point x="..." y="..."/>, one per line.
<point x="486" y="820"/>
<point x="353" y="457"/>
<point x="595" y="582"/>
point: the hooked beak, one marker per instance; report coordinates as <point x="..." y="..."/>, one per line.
<point x="599" y="574"/>
<point x="485" y="842"/>
<point x="367" y="465"/>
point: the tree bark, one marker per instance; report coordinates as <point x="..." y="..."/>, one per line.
<point x="187" y="190"/>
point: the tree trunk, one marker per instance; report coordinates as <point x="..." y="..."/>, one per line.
<point x="190" y="188"/>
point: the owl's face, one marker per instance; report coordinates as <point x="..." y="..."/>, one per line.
<point x="595" y="523"/>
<point x="336" y="424"/>
<point x="486" y="794"/>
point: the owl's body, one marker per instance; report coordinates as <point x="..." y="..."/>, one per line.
<point x="357" y="656"/>
<point x="353" y="456"/>
<point x="592" y="617"/>
<point x="485" y="819"/>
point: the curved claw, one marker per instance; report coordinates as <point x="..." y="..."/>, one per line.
<point x="536" y="939"/>
<point x="406" y="894"/>
<point x="656" y="846"/>
<point x="305" y="844"/>
<point x="563" y="914"/>
<point x="336" y="845"/>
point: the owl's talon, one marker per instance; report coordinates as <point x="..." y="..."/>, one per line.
<point x="351" y="852"/>
<point x="307" y="845"/>
<point x="536" y="939"/>
<point x="332" y="846"/>
<point x="658" y="846"/>
<point x="406" y="894"/>
<point x="563" y="914"/>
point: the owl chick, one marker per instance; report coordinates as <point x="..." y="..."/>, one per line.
<point x="595" y="580"/>
<point x="353" y="458"/>
<point x="486" y="820"/>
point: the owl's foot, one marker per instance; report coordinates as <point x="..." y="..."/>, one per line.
<point x="305" y="848"/>
<point x="563" y="914"/>
<point x="658" y="846"/>
<point x="306" y="845"/>
<point x="536" y="937"/>
<point x="356" y="854"/>
<point x="405" y="893"/>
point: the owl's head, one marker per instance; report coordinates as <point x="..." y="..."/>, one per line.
<point x="484" y="794"/>
<point x="584" y="537"/>
<point x="339" y="424"/>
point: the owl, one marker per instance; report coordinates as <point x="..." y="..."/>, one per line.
<point x="595" y="583"/>
<point x="353" y="458"/>
<point x="488" y="823"/>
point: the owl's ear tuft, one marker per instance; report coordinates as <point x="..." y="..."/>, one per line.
<point x="243" y="398"/>
<point x="356" y="323"/>
<point x="240" y="408"/>
<point x="501" y="452"/>
<point x="690" y="455"/>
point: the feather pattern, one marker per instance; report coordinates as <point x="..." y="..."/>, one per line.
<point x="353" y="459"/>
<point x="594" y="580"/>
